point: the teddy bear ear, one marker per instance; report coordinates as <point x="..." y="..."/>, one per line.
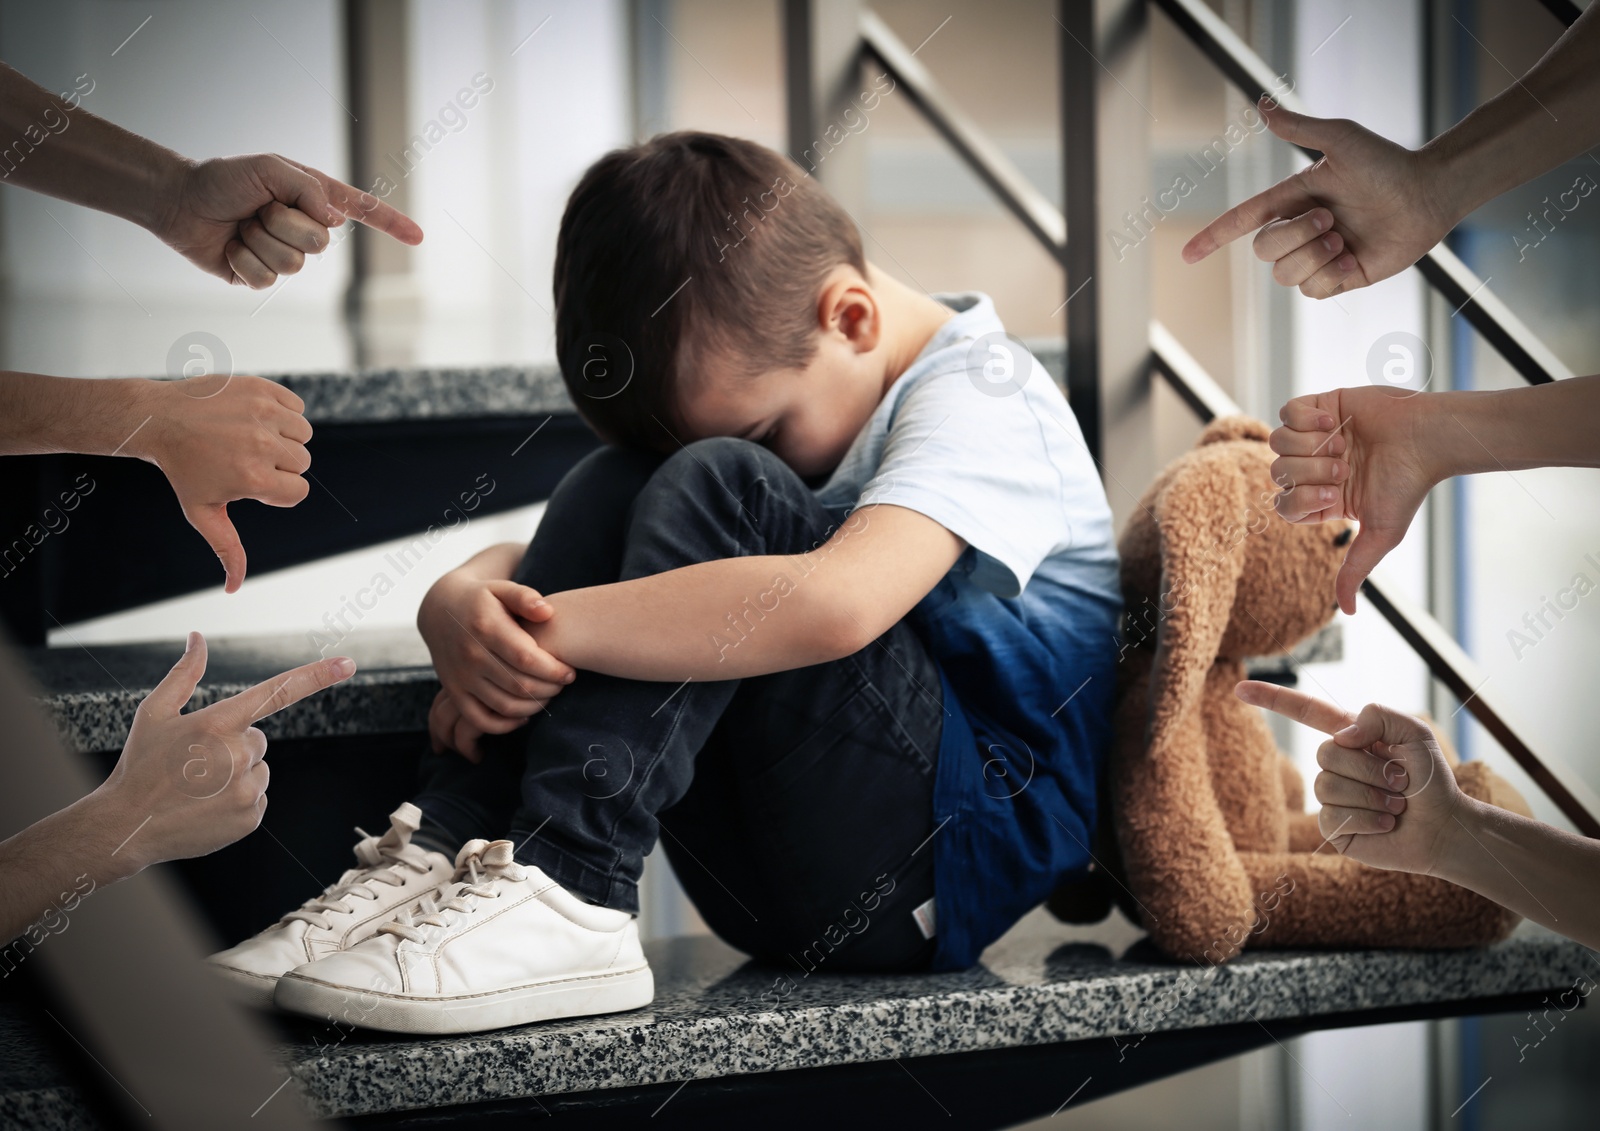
<point x="1200" y="513"/>
<point x="1226" y="428"/>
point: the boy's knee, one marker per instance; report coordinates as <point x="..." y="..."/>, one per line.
<point x="703" y="495"/>
<point x="728" y="458"/>
<point x="611" y="463"/>
<point x="731" y="450"/>
<point x="605" y="479"/>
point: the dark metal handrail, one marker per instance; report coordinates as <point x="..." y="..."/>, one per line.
<point x="992" y="166"/>
<point x="1564" y="10"/>
<point x="1443" y="656"/>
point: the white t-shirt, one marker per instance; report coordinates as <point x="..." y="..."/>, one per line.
<point x="1023" y="626"/>
<point x="1009" y="473"/>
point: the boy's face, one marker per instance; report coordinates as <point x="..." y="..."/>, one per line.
<point x="808" y="416"/>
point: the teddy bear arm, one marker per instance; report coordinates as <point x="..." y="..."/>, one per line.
<point x="1304" y="835"/>
<point x="1294" y="786"/>
<point x="1300" y="899"/>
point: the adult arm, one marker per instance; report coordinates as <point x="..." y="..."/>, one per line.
<point x="246" y="219"/>
<point x="1373" y="454"/>
<point x="1369" y="208"/>
<point x="1391" y="801"/>
<point x="1541" y="872"/>
<point x="185" y="785"/>
<point x="216" y="438"/>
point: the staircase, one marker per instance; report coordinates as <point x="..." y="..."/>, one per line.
<point x="1053" y="1015"/>
<point x="1050" y="1009"/>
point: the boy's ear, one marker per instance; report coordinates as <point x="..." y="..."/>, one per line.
<point x="848" y="307"/>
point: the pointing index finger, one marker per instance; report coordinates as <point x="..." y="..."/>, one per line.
<point x="354" y="204"/>
<point x="1295" y="705"/>
<point x="273" y="695"/>
<point x="1282" y="201"/>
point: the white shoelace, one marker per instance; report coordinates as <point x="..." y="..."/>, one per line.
<point x="381" y="860"/>
<point x="479" y="865"/>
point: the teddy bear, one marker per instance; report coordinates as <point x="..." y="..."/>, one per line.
<point x="1211" y="849"/>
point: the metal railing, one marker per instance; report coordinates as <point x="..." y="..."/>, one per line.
<point x="1564" y="10"/>
<point x="1526" y="353"/>
<point x="986" y="159"/>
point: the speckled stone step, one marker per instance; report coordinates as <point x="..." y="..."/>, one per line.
<point x="91" y="693"/>
<point x="716" y="1014"/>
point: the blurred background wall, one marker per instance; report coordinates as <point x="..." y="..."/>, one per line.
<point x="88" y="295"/>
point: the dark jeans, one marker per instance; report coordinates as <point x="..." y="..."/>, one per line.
<point x="797" y="807"/>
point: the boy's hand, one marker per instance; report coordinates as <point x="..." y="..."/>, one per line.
<point x="1388" y="796"/>
<point x="1365" y="454"/>
<point x="496" y="676"/>
<point x="448" y="729"/>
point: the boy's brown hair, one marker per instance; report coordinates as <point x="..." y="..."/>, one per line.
<point x="688" y="246"/>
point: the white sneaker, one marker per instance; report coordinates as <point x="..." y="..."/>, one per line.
<point x="502" y="945"/>
<point x="391" y="875"/>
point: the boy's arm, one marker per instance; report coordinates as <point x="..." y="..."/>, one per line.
<point x="494" y="563"/>
<point x="751" y="616"/>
